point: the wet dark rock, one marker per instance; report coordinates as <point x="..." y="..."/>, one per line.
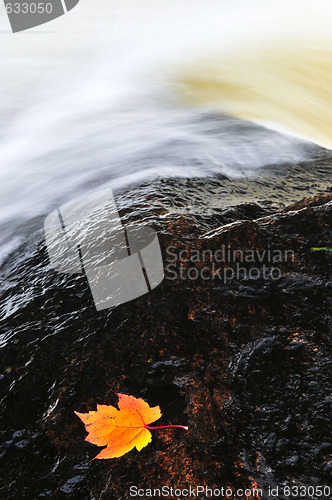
<point x="245" y="363"/>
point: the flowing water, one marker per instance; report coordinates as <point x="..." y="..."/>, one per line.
<point x="116" y="92"/>
<point x="125" y="94"/>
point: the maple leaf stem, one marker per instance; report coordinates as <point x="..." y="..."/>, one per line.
<point x="167" y="427"/>
<point x="125" y="426"/>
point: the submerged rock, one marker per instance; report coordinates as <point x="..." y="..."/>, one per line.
<point x="242" y="358"/>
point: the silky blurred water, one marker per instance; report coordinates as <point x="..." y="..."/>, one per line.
<point x="117" y="92"/>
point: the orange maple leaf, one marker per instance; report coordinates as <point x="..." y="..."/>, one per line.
<point x="121" y="430"/>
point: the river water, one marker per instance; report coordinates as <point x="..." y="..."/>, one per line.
<point x="114" y="93"/>
<point x="125" y="94"/>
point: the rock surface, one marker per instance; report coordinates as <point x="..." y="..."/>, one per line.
<point x="244" y="362"/>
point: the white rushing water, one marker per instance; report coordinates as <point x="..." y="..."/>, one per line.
<point x="100" y="97"/>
